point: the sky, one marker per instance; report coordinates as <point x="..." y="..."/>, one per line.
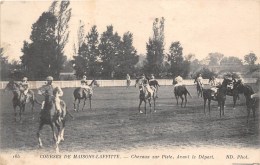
<point x="231" y="27"/>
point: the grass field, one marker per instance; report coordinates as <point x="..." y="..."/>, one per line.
<point x="115" y="124"/>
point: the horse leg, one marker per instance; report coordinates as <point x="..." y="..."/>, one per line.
<point x="140" y="102"/>
<point x="78" y="105"/>
<point x="223" y="107"/>
<point x="177" y="97"/>
<point x="59" y="132"/>
<point x="22" y="107"/>
<point x="32" y="104"/>
<point x="181" y="101"/>
<point x="205" y="101"/>
<point x="154" y="99"/>
<point x="90" y="102"/>
<point x="220" y="109"/>
<point x="14" y="112"/>
<point x="39" y="134"/>
<point x="84" y="104"/>
<point x="62" y="131"/>
<point x="209" y="101"/>
<point x="145" y="107"/>
<point x="234" y="101"/>
<point x="55" y="138"/>
<point x="74" y="103"/>
<point x="149" y="101"/>
<point x="185" y="96"/>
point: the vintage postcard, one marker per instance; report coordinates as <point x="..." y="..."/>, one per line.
<point x="130" y="82"/>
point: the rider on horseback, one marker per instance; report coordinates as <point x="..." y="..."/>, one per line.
<point x="84" y="85"/>
<point x="143" y="82"/>
<point x="50" y="90"/>
<point x="199" y="80"/>
<point x="178" y="80"/>
<point x="24" y="87"/>
<point x="154" y="83"/>
<point x="213" y="83"/>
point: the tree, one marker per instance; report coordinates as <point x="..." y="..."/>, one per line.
<point x="231" y="61"/>
<point x="109" y="52"/>
<point x="175" y="57"/>
<point x="38" y="57"/>
<point x="128" y="57"/>
<point x="87" y="61"/>
<point x="155" y="49"/>
<point x="215" y="58"/>
<point x="4" y="67"/>
<point x="250" y="58"/>
<point x="63" y="15"/>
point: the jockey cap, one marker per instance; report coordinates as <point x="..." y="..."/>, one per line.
<point x="49" y="78"/>
<point x="25" y="79"/>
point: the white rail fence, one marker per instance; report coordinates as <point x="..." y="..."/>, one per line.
<point x="110" y="83"/>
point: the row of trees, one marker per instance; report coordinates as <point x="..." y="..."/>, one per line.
<point x="108" y="55"/>
<point x="111" y="56"/>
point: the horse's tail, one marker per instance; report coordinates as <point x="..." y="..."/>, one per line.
<point x="188" y="93"/>
<point x="68" y="112"/>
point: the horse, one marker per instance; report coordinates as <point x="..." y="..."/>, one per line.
<point x="49" y="116"/>
<point x="199" y="88"/>
<point x="19" y="98"/>
<point x="180" y="91"/>
<point x="251" y="103"/>
<point x="234" y="93"/>
<point x="80" y="93"/>
<point x="144" y="97"/>
<point x="220" y="97"/>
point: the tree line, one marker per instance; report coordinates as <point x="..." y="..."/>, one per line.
<point x="107" y="55"/>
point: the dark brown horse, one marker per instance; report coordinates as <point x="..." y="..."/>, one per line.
<point x="49" y="116"/>
<point x="220" y="97"/>
<point x="179" y="92"/>
<point x="251" y="103"/>
<point x="80" y="93"/>
<point x="19" y="98"/>
<point x="144" y="97"/>
<point x="234" y="93"/>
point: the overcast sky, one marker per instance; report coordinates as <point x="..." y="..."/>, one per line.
<point x="231" y="27"/>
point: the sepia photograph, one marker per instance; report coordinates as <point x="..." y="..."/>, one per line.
<point x="130" y="81"/>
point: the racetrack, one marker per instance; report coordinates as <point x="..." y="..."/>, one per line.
<point x="114" y="124"/>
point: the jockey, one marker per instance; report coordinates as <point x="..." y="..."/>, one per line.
<point x="213" y="83"/>
<point x="84" y="84"/>
<point x="178" y="80"/>
<point x="144" y="82"/>
<point x="199" y="79"/>
<point x="48" y="89"/>
<point x="24" y="86"/>
<point x="154" y="83"/>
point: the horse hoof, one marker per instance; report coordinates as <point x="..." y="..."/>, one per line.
<point x="140" y="111"/>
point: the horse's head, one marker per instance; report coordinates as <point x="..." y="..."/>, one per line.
<point x="174" y="82"/>
<point x="226" y="82"/>
<point x="94" y="83"/>
<point x="12" y="86"/>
